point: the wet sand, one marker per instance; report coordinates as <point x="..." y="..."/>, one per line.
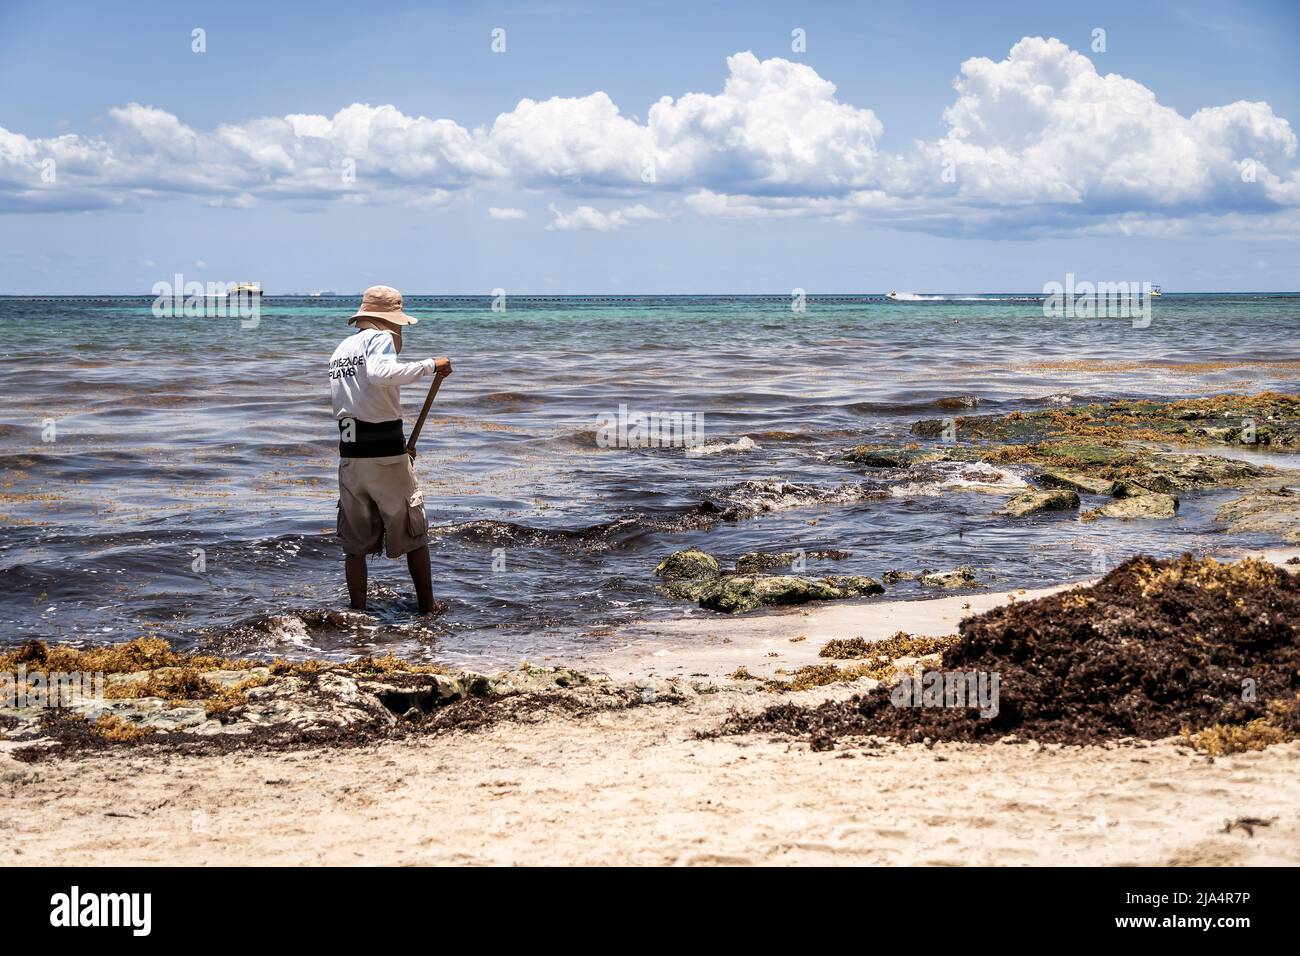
<point x="636" y="786"/>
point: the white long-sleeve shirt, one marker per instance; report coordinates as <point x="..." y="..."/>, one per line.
<point x="366" y="377"/>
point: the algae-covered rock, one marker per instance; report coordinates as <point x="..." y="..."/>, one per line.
<point x="688" y="589"/>
<point x="745" y="592"/>
<point x="1141" y="506"/>
<point x="530" y="679"/>
<point x="755" y="561"/>
<point x="894" y="575"/>
<point x="1180" y="472"/>
<point x="874" y="457"/>
<point x="688" y="563"/>
<point x="1269" y="511"/>
<point x="1035" y="501"/>
<point x="854" y="585"/>
<point x="1269" y="418"/>
<point x="1078" y="481"/>
<point x="962" y="576"/>
<point x="892" y="456"/>
<point x="688" y="574"/>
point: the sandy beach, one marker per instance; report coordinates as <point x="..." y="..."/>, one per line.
<point x="637" y="786"/>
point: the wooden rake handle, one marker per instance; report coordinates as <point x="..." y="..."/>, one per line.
<point x="424" y="412"/>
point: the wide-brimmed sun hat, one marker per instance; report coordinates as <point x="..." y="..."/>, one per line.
<point x="383" y="302"/>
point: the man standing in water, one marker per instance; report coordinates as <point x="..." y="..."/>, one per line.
<point x="380" y="503"/>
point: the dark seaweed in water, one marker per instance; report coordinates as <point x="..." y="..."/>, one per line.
<point x="1152" y="648"/>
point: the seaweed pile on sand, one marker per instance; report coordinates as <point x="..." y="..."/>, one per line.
<point x="1155" y="649"/>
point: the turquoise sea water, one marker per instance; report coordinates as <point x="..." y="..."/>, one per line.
<point x="187" y="486"/>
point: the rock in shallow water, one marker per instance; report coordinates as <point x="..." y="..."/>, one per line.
<point x="1078" y="481"/>
<point x="1271" y="511"/>
<point x="959" y="577"/>
<point x="894" y="575"/>
<point x="1141" y="506"/>
<point x="755" y="561"/>
<point x="745" y="592"/>
<point x="1034" y="502"/>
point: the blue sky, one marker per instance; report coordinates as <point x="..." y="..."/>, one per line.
<point x="1051" y="157"/>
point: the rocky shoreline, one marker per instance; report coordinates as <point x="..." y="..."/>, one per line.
<point x="1134" y="458"/>
<point x="1119" y="460"/>
<point x="1176" y="641"/>
<point x="381" y="761"/>
<point x="1129" y="460"/>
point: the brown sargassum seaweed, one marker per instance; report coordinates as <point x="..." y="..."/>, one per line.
<point x="1154" y="649"/>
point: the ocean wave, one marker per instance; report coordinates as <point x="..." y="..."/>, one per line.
<point x="740" y="445"/>
<point x="732" y="503"/>
<point x="300" y="628"/>
<point x="917" y="297"/>
<point x="294" y="631"/>
<point x="941" y="477"/>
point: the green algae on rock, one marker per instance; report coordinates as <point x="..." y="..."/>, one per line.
<point x="688" y="573"/>
<point x="755" y="561"/>
<point x="1036" y="501"/>
<point x="885" y="456"/>
<point x="1269" y="418"/>
<point x="737" y="593"/>
<point x="695" y="575"/>
<point x="962" y="576"/>
<point x="894" y="575"/>
<point x="1141" y="454"/>
<point x="688" y="563"/>
<point x="1116" y="448"/>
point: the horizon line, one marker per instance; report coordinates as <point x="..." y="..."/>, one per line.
<point x="596" y="295"/>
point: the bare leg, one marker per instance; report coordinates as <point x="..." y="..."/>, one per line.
<point x="417" y="562"/>
<point x="355" y="567"/>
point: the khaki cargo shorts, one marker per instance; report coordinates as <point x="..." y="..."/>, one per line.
<point x="380" y="503"/>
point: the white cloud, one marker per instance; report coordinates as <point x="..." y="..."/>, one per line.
<point x="497" y="212"/>
<point x="588" y="217"/>
<point x="776" y="125"/>
<point x="1044" y="127"/>
<point x="1036" y="143"/>
<point x="847" y="208"/>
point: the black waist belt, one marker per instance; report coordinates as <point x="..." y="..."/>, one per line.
<point x="358" y="439"/>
